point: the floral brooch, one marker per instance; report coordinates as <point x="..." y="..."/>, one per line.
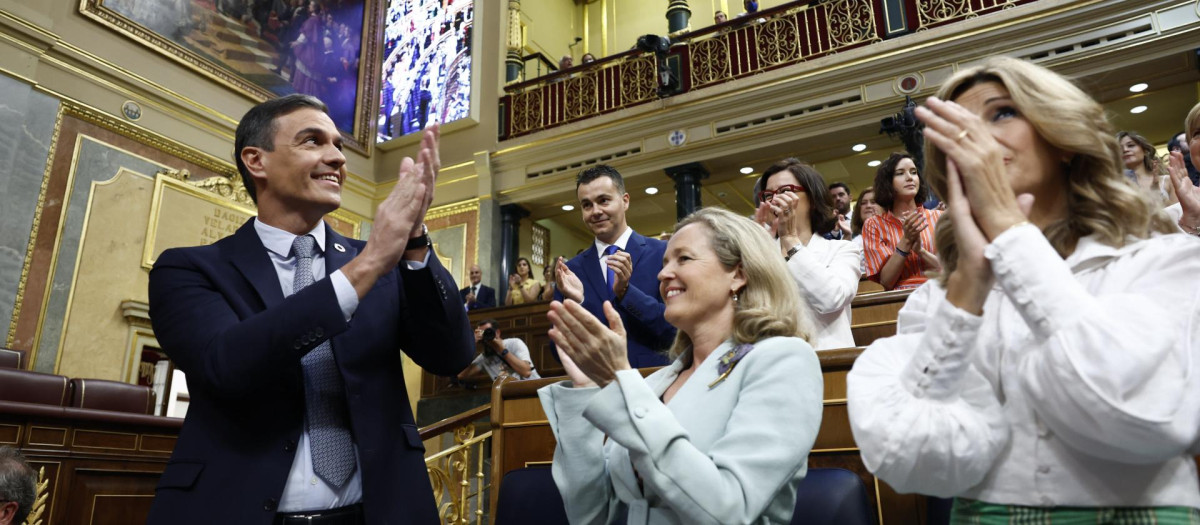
<point x="729" y="360"/>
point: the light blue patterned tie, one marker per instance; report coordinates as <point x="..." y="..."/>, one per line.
<point x="324" y="395"/>
<point x="609" y="274"/>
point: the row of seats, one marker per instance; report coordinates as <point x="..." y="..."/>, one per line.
<point x="10" y="358"/>
<point x="23" y="386"/>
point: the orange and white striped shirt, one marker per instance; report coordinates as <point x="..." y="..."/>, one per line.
<point x="882" y="233"/>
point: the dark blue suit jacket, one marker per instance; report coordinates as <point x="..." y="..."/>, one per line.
<point x="220" y="315"/>
<point x="486" y="298"/>
<point x="642" y="307"/>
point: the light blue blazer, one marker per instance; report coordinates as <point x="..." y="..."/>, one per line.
<point x="726" y="454"/>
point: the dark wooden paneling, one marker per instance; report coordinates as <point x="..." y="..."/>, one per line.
<point x="110" y="493"/>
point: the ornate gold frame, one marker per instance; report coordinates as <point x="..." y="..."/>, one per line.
<point x="361" y="138"/>
<point x="163" y="182"/>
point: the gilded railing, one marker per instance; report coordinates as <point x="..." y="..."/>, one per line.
<point x="459" y="473"/>
<point x="779" y="37"/>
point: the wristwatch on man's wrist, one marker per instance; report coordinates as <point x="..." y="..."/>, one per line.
<point x="416" y="243"/>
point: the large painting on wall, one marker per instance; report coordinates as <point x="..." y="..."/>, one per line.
<point x="267" y="48"/>
<point x="426" y="65"/>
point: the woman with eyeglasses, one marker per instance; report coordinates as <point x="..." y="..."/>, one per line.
<point x="898" y="243"/>
<point x="795" y="208"/>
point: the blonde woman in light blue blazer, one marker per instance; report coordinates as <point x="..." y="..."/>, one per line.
<point x="720" y="436"/>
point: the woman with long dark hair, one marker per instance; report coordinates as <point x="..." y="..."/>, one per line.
<point x="898" y="243"/>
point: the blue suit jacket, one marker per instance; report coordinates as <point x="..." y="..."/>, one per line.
<point x="220" y="315"/>
<point x="486" y="298"/>
<point x="642" y="307"/>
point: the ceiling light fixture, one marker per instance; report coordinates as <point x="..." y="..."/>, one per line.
<point x="651" y="190"/>
<point x="747" y="170"/>
<point x="1137" y="109"/>
<point x="874" y="163"/>
<point x="1139" y="87"/>
<point x="859" y="147"/>
<point x="568" y="207"/>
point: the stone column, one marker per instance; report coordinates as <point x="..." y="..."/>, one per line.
<point x="687" y="179"/>
<point x="513" y="65"/>
<point x="678" y="15"/>
<point x="510" y="245"/>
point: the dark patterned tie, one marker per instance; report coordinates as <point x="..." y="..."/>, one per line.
<point x="324" y="396"/>
<point x="609" y="274"/>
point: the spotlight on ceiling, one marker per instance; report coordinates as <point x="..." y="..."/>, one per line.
<point x="747" y="170"/>
<point x="568" y="207"/>
<point x="859" y="147"/>
<point x="1139" y="87"/>
<point x="875" y="163"/>
<point x="651" y="190"/>
<point x="1137" y="109"/>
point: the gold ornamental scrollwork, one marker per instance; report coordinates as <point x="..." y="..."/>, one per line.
<point x="580" y="95"/>
<point x="40" y="497"/>
<point x="851" y="22"/>
<point x="710" y="61"/>
<point x="527" y="111"/>
<point x="458" y="477"/>
<point x="231" y="188"/>
<point x="638" y="80"/>
<point x="778" y="41"/>
<point x="937" y="11"/>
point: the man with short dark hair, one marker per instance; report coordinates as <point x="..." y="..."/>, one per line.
<point x="499" y="356"/>
<point x="621" y="266"/>
<point x="290" y="335"/>
<point x="478" y="295"/>
<point x="840" y="193"/>
<point x="18" y="487"/>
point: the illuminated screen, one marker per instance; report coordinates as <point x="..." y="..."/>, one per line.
<point x="426" y="65"/>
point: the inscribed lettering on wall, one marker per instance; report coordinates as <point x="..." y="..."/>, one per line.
<point x="182" y="215"/>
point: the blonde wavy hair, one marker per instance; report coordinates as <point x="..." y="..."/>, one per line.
<point x="769" y="304"/>
<point x="1100" y="200"/>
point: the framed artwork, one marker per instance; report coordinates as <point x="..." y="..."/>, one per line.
<point x="427" y="72"/>
<point x="268" y="48"/>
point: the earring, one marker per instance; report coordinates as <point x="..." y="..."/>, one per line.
<point x="735" y="295"/>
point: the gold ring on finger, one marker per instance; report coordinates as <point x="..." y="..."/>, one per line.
<point x="962" y="135"/>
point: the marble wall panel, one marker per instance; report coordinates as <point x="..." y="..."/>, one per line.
<point x="27" y="120"/>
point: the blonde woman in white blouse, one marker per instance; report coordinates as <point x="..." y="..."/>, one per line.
<point x="1052" y="372"/>
<point x="721" y="435"/>
<point x="795" y="208"/>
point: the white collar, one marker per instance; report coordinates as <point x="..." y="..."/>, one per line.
<point x="280" y="241"/>
<point x="621" y="243"/>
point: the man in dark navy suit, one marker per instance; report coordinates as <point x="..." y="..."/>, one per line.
<point x="621" y="266"/>
<point x="478" y="295"/>
<point x="290" y="335"/>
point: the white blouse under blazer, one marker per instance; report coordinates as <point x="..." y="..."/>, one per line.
<point x="827" y="273"/>
<point x="1078" y="386"/>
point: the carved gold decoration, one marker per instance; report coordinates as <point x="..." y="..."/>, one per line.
<point x="851" y="22"/>
<point x="39" y="501"/>
<point x="457" y="476"/>
<point x="33" y="234"/>
<point x="580" y="96"/>
<point x="778" y="41"/>
<point x="232" y="188"/>
<point x="527" y="111"/>
<point x="937" y="11"/>
<point x="710" y="60"/>
<point x="638" y="80"/>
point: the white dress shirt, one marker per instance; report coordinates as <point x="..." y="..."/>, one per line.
<point x="827" y="273"/>
<point x="1078" y="386"/>
<point x="621" y="243"/>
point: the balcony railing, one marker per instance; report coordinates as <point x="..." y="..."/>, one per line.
<point x="459" y="474"/>
<point x="782" y="36"/>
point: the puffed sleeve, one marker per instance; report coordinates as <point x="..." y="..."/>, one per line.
<point x="1115" y="373"/>
<point x="828" y="288"/>
<point x="923" y="417"/>
<point x="877" y="248"/>
<point x="580" y="467"/>
<point x="768" y="436"/>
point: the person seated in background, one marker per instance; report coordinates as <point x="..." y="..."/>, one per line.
<point x="477" y="295"/>
<point x="565" y="62"/>
<point x="522" y="287"/>
<point x="1179" y="144"/>
<point x="840" y="193"/>
<point x="898" y="243"/>
<point x="548" y="276"/>
<point x="1143" y="168"/>
<point x="1050" y="374"/>
<point x="722" y="434"/>
<point x="1186" y="212"/>
<point x="18" y="487"/>
<point x="587" y="58"/>
<point x="796" y="210"/>
<point x="864" y="209"/>
<point x="499" y="357"/>
<point x="720" y="17"/>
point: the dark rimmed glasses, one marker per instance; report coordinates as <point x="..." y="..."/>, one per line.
<point x="767" y="195"/>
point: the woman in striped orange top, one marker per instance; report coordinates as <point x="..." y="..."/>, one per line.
<point x="898" y="244"/>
